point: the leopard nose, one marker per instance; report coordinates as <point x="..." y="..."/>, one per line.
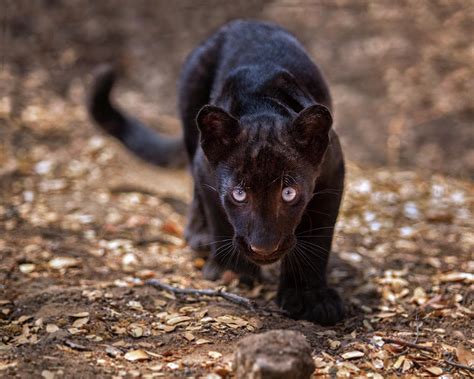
<point x="264" y="250"/>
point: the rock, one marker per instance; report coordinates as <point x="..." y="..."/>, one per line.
<point x="274" y="355"/>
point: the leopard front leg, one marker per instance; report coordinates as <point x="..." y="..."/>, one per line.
<point x="303" y="290"/>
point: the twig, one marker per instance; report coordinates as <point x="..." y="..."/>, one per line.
<point x="459" y="365"/>
<point x="236" y="299"/>
<point x="76" y="346"/>
<point x="408" y="344"/>
<point x="417" y="335"/>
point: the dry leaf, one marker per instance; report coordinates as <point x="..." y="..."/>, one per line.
<point x="47" y="374"/>
<point x="23" y="319"/>
<point x="177" y="320"/>
<point x="80" y="322"/>
<point x="434" y="370"/>
<point x="169" y="328"/>
<point x="214" y="354"/>
<point x="51" y="328"/>
<point x="136" y="355"/>
<point x="26" y="268"/>
<point x="232" y="321"/>
<point x="74" y="331"/>
<point x="63" y="262"/>
<point x="189" y="336"/>
<point x="135" y="330"/>
<point x="465" y="356"/>
<point x="136" y="305"/>
<point x="399" y="362"/>
<point x="457" y="277"/>
<point x="202" y="341"/>
<point x="407" y="364"/>
<point x="172" y="366"/>
<point x="158" y="367"/>
<point x="112" y="351"/>
<point x="353" y="354"/>
<point x="80" y="315"/>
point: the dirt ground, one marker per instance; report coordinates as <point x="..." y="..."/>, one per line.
<point x="83" y="223"/>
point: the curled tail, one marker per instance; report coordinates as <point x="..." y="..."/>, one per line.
<point x="144" y="142"/>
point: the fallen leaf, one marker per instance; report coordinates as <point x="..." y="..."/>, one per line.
<point x="189" y="336"/>
<point x="169" y="328"/>
<point x="80" y="315"/>
<point x="112" y="351"/>
<point x="135" y="330"/>
<point x="23" y="319"/>
<point x="26" y="268"/>
<point x="172" y="366"/>
<point x="457" y="277"/>
<point x="136" y="355"/>
<point x="232" y="321"/>
<point x="353" y="354"/>
<point x="465" y="356"/>
<point x="407" y="364"/>
<point x="156" y="367"/>
<point x="136" y="305"/>
<point x="74" y="331"/>
<point x="214" y="354"/>
<point x="399" y="362"/>
<point x="80" y="322"/>
<point x="434" y="370"/>
<point x="51" y="328"/>
<point x="177" y="320"/>
<point x="47" y="374"/>
<point x="202" y="341"/>
<point x="63" y="262"/>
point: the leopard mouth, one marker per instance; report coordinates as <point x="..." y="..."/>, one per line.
<point x="266" y="259"/>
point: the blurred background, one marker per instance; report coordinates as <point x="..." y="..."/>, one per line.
<point x="81" y="219"/>
<point x="401" y="72"/>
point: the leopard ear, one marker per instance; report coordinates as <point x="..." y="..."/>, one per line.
<point x="219" y="132"/>
<point x="310" y="131"/>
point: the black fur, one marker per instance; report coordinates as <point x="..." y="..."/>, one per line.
<point x="144" y="142"/>
<point x="257" y="120"/>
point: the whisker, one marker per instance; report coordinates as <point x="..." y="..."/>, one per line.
<point x="300" y="268"/>
<point x="222" y="248"/>
<point x="312" y="244"/>
<point x="319" y="254"/>
<point x="319" y="235"/>
<point x="303" y="255"/>
<point x="217" y="241"/>
<point x="311" y="264"/>
<point x="211" y="187"/>
<point x="319" y="212"/>
<point x="315" y="229"/>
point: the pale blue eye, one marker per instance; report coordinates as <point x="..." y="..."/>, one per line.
<point x="288" y="194"/>
<point x="239" y="195"/>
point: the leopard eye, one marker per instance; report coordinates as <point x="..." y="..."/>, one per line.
<point x="239" y="195"/>
<point x="288" y="194"/>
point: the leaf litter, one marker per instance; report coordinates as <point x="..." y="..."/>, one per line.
<point x="81" y="228"/>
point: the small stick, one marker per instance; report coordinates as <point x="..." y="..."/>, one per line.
<point x="459" y="365"/>
<point x="408" y="344"/>
<point x="236" y="299"/>
<point x="76" y="346"/>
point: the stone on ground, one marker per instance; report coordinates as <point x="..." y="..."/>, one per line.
<point x="274" y="355"/>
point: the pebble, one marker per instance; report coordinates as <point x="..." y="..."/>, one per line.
<point x="274" y="355"/>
